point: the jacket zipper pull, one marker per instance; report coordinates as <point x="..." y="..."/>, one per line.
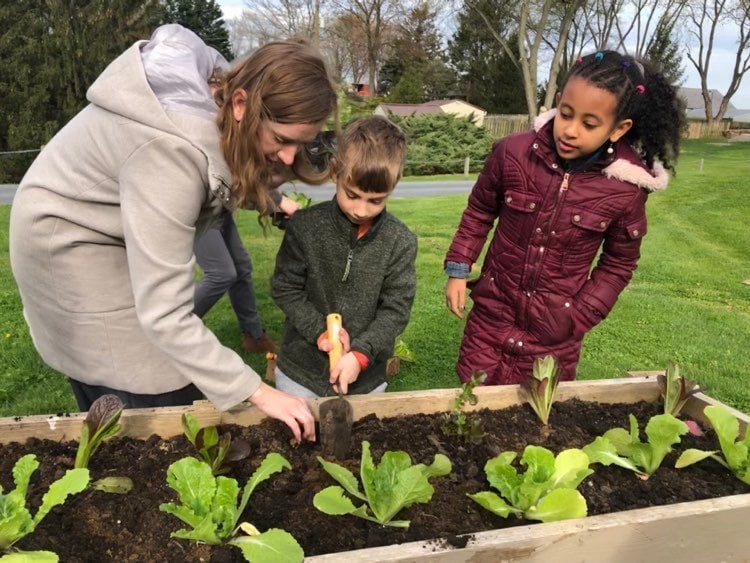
<point x="349" y="259"/>
<point x="564" y="185"/>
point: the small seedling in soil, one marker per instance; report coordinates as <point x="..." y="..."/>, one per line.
<point x="625" y="448"/>
<point x="541" y="388"/>
<point x="218" y="452"/>
<point x="16" y="521"/>
<point x="546" y="491"/>
<point x="736" y="453"/>
<point x="675" y="389"/>
<point x="101" y="423"/>
<point x="457" y="422"/>
<point x="389" y="487"/>
<point x="208" y="504"/>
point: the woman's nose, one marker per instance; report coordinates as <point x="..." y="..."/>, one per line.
<point x="286" y="154"/>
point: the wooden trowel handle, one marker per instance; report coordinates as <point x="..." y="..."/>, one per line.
<point x="333" y="323"/>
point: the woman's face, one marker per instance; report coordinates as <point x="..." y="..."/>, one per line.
<point x="281" y="141"/>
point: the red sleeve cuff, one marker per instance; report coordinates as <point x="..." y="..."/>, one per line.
<point x="362" y="359"/>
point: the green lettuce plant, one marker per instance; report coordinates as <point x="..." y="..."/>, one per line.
<point x="218" y="452"/>
<point x="15" y="518"/>
<point x="457" y="422"/>
<point x="620" y="447"/>
<point x="541" y="388"/>
<point x="389" y="487"/>
<point x="736" y="453"/>
<point x="545" y="491"/>
<point x="675" y="389"/>
<point x="208" y="504"/>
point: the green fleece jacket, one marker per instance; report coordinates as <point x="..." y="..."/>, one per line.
<point x="322" y="268"/>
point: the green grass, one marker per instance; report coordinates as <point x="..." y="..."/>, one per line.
<point x="686" y="302"/>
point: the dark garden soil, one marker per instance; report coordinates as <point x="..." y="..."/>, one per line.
<point x="95" y="526"/>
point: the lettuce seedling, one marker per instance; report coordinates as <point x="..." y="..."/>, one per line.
<point x="541" y="388"/>
<point x="389" y="487"/>
<point x="675" y="389"/>
<point x="736" y="452"/>
<point x="620" y="447"/>
<point x="219" y="452"/>
<point x="546" y="491"/>
<point x="101" y="423"/>
<point x="208" y="504"/>
<point x="457" y="423"/>
<point x="16" y="520"/>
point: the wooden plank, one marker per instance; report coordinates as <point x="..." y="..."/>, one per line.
<point x="695" y="532"/>
<point x="166" y="421"/>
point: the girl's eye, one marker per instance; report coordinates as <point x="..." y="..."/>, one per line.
<point x="590" y="125"/>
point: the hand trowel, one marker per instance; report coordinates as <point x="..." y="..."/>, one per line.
<point x="335" y="414"/>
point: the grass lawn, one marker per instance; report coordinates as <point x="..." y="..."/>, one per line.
<point x="687" y="301"/>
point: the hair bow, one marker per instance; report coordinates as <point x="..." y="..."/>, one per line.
<point x="640" y="88"/>
<point x="599" y="56"/>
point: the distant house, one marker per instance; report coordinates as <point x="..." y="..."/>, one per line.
<point x="696" y="108"/>
<point x="454" y="107"/>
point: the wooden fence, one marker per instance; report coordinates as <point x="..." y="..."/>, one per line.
<point x="503" y="125"/>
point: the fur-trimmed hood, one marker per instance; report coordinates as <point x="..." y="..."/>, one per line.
<point x="625" y="169"/>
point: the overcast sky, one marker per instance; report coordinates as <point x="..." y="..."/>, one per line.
<point x="720" y="72"/>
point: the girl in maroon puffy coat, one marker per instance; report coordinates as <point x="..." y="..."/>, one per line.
<point x="575" y="186"/>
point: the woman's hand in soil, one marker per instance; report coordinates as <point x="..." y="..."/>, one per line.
<point x="288" y="206"/>
<point x="455" y="296"/>
<point x="345" y="372"/>
<point x="292" y="411"/>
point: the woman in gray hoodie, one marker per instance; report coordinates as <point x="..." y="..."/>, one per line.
<point x="103" y="224"/>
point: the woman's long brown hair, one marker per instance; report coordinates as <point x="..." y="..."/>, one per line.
<point x="285" y="82"/>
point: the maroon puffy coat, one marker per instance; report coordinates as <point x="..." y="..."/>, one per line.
<point x="537" y="293"/>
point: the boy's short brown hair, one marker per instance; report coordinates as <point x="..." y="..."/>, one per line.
<point x="370" y="154"/>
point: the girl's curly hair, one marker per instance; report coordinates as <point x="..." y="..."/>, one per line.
<point x="644" y="95"/>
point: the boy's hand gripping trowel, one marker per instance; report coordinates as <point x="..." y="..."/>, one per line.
<point x="335" y="414"/>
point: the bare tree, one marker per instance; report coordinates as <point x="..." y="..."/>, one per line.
<point x="705" y="19"/>
<point x="345" y="48"/>
<point x="374" y="18"/>
<point x="541" y="23"/>
<point x="281" y="19"/>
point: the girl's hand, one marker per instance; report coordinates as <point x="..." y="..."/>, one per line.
<point x="455" y="296"/>
<point x="324" y="345"/>
<point x="292" y="411"/>
<point x="288" y="206"/>
<point x="345" y="372"/>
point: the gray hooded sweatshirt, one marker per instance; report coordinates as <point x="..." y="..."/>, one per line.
<point x="103" y="224"/>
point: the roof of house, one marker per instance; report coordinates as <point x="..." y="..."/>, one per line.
<point x="695" y="106"/>
<point x="405" y="110"/>
<point x="433" y="106"/>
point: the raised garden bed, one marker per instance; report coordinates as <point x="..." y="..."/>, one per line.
<point x="695" y="514"/>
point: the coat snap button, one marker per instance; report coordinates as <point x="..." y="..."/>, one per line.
<point x="538" y="229"/>
<point x="576" y="218"/>
<point x="520" y="343"/>
<point x="635" y="232"/>
<point x="511" y="341"/>
<point x="554" y="165"/>
<point x="602" y="224"/>
<point x="532" y="205"/>
<point x="536" y="145"/>
<point x="508" y="199"/>
<point x="567" y="304"/>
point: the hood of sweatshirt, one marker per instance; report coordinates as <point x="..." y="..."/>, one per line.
<point x="163" y="83"/>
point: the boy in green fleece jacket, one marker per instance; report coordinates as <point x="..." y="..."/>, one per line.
<point x="347" y="256"/>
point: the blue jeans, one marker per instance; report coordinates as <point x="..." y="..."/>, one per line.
<point x="227" y="268"/>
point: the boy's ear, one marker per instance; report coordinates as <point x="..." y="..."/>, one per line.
<point x="239" y="101"/>
<point x="622" y="128"/>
